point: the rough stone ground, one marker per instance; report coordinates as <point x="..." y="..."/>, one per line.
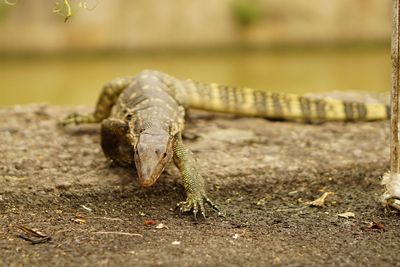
<point x="261" y="173"/>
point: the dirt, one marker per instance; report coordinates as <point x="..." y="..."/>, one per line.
<point x="261" y="173"/>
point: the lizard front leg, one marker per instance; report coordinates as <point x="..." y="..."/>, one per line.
<point x="192" y="180"/>
<point x="106" y="101"/>
<point x="116" y="143"/>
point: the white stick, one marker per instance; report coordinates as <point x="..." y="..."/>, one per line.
<point x="391" y="180"/>
<point x="394" y="141"/>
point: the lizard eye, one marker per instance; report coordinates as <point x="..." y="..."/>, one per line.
<point x="159" y="151"/>
<point x="165" y="155"/>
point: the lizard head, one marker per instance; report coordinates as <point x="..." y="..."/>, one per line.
<point x="153" y="150"/>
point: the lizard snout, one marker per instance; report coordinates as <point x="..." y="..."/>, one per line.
<point x="152" y="153"/>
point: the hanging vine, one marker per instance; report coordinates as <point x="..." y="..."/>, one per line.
<point x="64" y="8"/>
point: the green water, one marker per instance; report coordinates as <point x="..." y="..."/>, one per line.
<point x="72" y="80"/>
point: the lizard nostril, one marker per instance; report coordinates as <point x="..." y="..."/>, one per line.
<point x="141" y="148"/>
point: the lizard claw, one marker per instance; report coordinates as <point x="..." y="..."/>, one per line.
<point x="195" y="203"/>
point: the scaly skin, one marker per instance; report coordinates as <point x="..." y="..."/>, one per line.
<point x="142" y="119"/>
<point x="192" y="180"/>
<point x="141" y="123"/>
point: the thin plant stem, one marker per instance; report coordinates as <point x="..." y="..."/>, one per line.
<point x="394" y="141"/>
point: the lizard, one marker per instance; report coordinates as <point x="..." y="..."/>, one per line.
<point x="143" y="116"/>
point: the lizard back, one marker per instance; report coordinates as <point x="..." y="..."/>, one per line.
<point x="254" y="102"/>
<point x="147" y="103"/>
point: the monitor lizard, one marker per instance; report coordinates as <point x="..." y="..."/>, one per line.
<point x="142" y="119"/>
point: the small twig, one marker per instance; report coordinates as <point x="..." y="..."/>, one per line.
<point x="293" y="209"/>
<point x="67" y="14"/>
<point x="106" y="218"/>
<point x="118" y="233"/>
<point x="86" y="208"/>
<point x="35" y="241"/>
<point x="31" y="232"/>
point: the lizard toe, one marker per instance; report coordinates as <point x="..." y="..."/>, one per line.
<point x="211" y="203"/>
<point x="195" y="210"/>
<point x="202" y="209"/>
<point x="185" y="206"/>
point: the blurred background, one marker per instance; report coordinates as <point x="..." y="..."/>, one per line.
<point x="279" y="45"/>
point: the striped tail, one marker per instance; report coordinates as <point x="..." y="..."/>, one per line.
<point x="252" y="102"/>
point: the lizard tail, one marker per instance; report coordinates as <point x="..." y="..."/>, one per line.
<point x="253" y="102"/>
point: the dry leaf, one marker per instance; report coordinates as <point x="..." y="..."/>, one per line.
<point x="79" y="219"/>
<point x="376" y="225"/>
<point x="149" y="222"/>
<point x="32" y="235"/>
<point x="161" y="226"/>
